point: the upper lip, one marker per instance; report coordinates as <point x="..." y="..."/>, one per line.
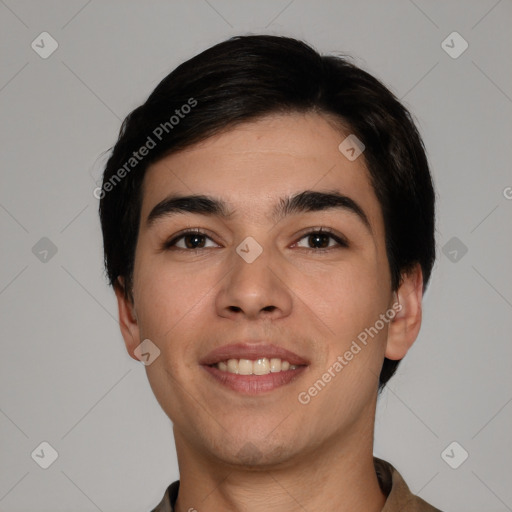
<point x="245" y="350"/>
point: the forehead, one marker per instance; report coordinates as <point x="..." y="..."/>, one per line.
<point x="253" y="165"/>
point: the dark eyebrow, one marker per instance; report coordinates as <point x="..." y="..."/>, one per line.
<point x="313" y="201"/>
<point x="307" y="201"/>
<point x="204" y="205"/>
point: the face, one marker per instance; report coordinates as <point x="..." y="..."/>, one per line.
<point x="252" y="281"/>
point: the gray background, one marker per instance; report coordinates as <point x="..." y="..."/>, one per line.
<point x="65" y="377"/>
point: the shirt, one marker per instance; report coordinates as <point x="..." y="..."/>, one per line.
<point x="399" y="497"/>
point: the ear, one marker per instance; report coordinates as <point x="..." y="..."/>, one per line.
<point x="405" y="326"/>
<point x="127" y="318"/>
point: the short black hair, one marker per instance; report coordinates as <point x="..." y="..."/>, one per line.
<point x="248" y="77"/>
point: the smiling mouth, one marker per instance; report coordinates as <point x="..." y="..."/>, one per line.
<point x="260" y="366"/>
<point x="253" y="377"/>
<point x="253" y="367"/>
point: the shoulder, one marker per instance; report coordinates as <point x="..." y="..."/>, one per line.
<point x="169" y="498"/>
<point x="399" y="496"/>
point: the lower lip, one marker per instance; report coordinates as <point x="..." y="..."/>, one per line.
<point x="254" y="384"/>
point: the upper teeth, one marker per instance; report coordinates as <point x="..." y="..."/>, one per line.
<point x="261" y="366"/>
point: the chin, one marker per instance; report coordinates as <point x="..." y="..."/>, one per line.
<point x="259" y="454"/>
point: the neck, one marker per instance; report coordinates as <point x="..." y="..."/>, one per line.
<point x="336" y="472"/>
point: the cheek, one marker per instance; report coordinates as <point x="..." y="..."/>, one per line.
<point x="169" y="297"/>
<point x="345" y="298"/>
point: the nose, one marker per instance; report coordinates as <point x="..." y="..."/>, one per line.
<point x="254" y="289"/>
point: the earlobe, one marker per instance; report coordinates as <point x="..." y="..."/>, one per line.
<point x="405" y="326"/>
<point x="127" y="318"/>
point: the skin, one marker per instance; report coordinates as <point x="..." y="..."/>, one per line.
<point x="268" y="452"/>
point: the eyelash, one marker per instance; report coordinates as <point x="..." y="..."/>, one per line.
<point x="342" y="243"/>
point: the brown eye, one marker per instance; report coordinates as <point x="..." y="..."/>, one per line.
<point x="190" y="240"/>
<point x="194" y="241"/>
<point x="322" y="240"/>
<point x="319" y="240"/>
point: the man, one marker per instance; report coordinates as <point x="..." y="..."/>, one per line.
<point x="268" y="224"/>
